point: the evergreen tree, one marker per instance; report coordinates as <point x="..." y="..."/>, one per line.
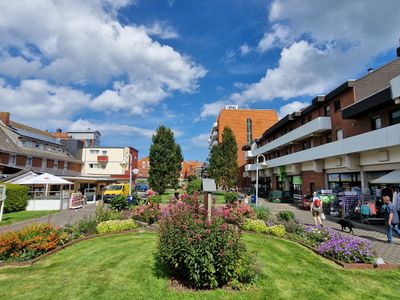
<point x="215" y="164"/>
<point x="165" y="158"/>
<point x="230" y="169"/>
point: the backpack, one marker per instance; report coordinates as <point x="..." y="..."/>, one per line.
<point x="317" y="203"/>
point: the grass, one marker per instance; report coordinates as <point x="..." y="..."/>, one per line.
<point x="19" y="216"/>
<point x="122" y="267"/>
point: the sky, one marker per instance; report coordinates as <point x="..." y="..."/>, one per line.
<point x="125" y="67"/>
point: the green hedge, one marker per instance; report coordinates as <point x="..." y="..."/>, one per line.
<point x="194" y="186"/>
<point x="115" y="225"/>
<point x="17" y="198"/>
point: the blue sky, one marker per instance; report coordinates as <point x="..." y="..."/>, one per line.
<point x="125" y="67"/>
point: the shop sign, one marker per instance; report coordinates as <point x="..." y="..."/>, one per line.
<point x="297" y="180"/>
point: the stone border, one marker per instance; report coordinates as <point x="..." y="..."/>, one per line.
<point x="347" y="266"/>
<point x="70" y="243"/>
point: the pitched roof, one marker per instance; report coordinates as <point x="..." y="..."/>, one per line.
<point x="31" y="129"/>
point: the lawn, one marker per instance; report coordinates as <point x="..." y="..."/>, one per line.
<point x="20" y="216"/>
<point x="122" y="267"/>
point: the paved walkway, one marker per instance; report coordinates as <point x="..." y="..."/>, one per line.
<point x="375" y="234"/>
<point x="59" y="219"/>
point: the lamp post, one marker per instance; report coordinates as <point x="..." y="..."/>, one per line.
<point x="264" y="163"/>
<point x="130" y="173"/>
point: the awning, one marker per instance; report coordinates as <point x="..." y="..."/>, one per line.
<point x="45" y="178"/>
<point x="392" y="177"/>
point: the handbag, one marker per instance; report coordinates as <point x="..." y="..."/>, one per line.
<point x="323" y="216"/>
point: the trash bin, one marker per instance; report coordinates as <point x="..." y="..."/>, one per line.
<point x="253" y="199"/>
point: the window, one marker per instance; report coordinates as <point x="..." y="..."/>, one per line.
<point x="55" y="165"/>
<point x="148" y="165"/>
<point x="339" y="134"/>
<point x="44" y="163"/>
<point x="306" y="144"/>
<point x="29" y="161"/>
<point x="329" y="137"/>
<point x="65" y="165"/>
<point x="249" y="130"/>
<point x="395" y="117"/>
<point x="12" y="160"/>
<point x="88" y="143"/>
<point x="376" y="122"/>
<point x="327" y="111"/>
<point x="336" y="104"/>
<point x="104" y="152"/>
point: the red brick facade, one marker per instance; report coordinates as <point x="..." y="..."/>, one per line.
<point x="312" y="181"/>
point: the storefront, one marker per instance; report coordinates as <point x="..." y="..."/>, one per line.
<point x="344" y="181"/>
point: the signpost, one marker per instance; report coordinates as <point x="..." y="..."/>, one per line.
<point x="208" y="187"/>
<point x="2" y="199"/>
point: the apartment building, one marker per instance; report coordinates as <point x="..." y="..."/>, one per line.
<point x="89" y="138"/>
<point x="24" y="147"/>
<point x="143" y="167"/>
<point x="246" y="124"/>
<point x="342" y="140"/>
<point x="109" y="161"/>
<point x="189" y="168"/>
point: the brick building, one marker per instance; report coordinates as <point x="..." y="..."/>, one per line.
<point x="189" y="168"/>
<point x="342" y="140"/>
<point x="143" y="167"/>
<point x="246" y="124"/>
<point x="24" y="147"/>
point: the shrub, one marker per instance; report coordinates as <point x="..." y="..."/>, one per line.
<point x="155" y="199"/>
<point x="194" y="186"/>
<point x="347" y="249"/>
<point x="17" y="198"/>
<point x="276" y="230"/>
<point x="262" y="213"/>
<point x="119" y="203"/>
<point x="85" y="227"/>
<point x="231" y="197"/>
<point x="104" y="214"/>
<point x="202" y="253"/>
<point x="255" y="225"/>
<point x="292" y="226"/>
<point x="115" y="225"/>
<point x="237" y="213"/>
<point x="146" y="213"/>
<point x="30" y="242"/>
<point x="314" y="236"/>
<point x="285" y="215"/>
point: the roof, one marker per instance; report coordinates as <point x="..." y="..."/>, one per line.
<point x="377" y="80"/>
<point x="392" y="177"/>
<point x="30" y="129"/>
<point x="9" y="139"/>
<point x="85" y="132"/>
<point x="45" y="178"/>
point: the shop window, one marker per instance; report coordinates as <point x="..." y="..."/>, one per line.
<point x="327" y="111"/>
<point x="339" y="134"/>
<point x="336" y="105"/>
<point x="249" y="130"/>
<point x="395" y="117"/>
<point x="376" y="123"/>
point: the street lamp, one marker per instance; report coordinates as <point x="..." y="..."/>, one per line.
<point x="264" y="163"/>
<point x="130" y="173"/>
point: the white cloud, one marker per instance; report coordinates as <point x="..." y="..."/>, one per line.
<point x="82" y="42"/>
<point x="291" y="107"/>
<point x="109" y="129"/>
<point x="278" y="37"/>
<point x="200" y="140"/>
<point x="163" y="31"/>
<point x="323" y="44"/>
<point x="244" y="49"/>
<point x="40" y="104"/>
<point x="211" y="109"/>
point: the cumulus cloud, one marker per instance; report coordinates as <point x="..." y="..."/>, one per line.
<point x="323" y="44"/>
<point x="200" y="140"/>
<point x="211" y="109"/>
<point x="83" y="43"/>
<point x="39" y="103"/>
<point x="291" y="107"/>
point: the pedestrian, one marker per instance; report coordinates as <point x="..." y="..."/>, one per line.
<point x="316" y="209"/>
<point x="391" y="219"/>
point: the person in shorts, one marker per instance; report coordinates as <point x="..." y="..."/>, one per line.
<point x="316" y="209"/>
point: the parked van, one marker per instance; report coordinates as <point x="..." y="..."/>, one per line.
<point x="115" y="190"/>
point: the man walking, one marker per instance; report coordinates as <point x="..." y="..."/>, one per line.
<point x="391" y="219"/>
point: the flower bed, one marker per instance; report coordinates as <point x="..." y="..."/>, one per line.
<point x="115" y="225"/>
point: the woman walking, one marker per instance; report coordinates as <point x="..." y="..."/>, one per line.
<point x="316" y="209"/>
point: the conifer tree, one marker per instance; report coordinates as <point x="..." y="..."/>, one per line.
<point x="230" y="169"/>
<point x="165" y="157"/>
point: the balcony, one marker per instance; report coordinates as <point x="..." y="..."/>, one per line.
<point x="102" y="159"/>
<point x="214" y="127"/>
<point x="377" y="139"/>
<point x="317" y="125"/>
<point x="212" y="144"/>
<point x="214" y="136"/>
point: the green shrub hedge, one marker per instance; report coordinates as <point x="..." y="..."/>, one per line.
<point x="231" y="197"/>
<point x="115" y="225"/>
<point x="286" y="215"/>
<point x="194" y="186"/>
<point x="17" y="198"/>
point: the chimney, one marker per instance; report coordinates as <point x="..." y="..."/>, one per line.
<point x="5" y="118"/>
<point x="58" y="130"/>
<point x="398" y="52"/>
<point x="370" y="70"/>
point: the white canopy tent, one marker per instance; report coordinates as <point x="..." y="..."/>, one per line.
<point x="390" y="178"/>
<point x="45" y="179"/>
